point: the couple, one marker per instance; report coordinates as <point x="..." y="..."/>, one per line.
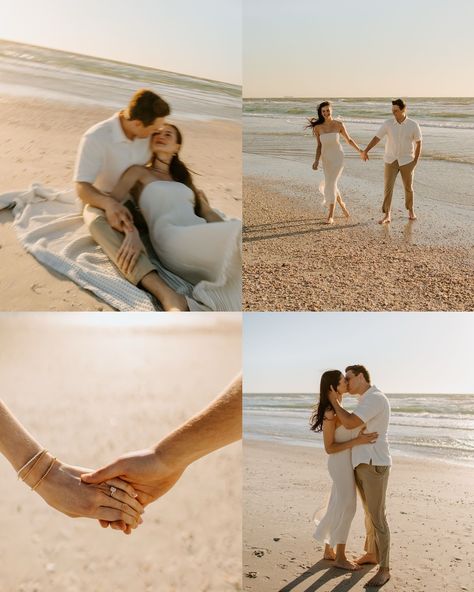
<point x="357" y="460"/>
<point x="402" y="151"/>
<point x="132" y="182"/>
<point x="117" y="494"/>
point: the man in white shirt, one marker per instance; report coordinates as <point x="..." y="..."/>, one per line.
<point x="106" y="151"/>
<point x="402" y="151"/>
<point x="371" y="463"/>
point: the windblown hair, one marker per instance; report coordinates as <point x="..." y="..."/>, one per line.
<point x="329" y="379"/>
<point x="146" y="106"/>
<point x="400" y="103"/>
<point x="359" y="369"/>
<point x="313" y="122"/>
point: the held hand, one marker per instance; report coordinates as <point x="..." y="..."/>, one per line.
<point x="150" y="476"/>
<point x="118" y="216"/>
<point x="367" y="438"/>
<point x="63" y="490"/>
<point x="130" y="251"/>
<point x="315" y="165"/>
<point x="364" y="156"/>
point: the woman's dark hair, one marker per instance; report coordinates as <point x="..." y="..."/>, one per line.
<point x="313" y="122"/>
<point x="329" y="379"/>
<point x="400" y="103"/>
<point x="179" y="171"/>
<point x="146" y="106"/>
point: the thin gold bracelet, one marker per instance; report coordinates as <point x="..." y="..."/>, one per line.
<point x="37" y="457"/>
<point x="45" y="475"/>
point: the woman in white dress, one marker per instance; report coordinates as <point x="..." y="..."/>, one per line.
<point x="327" y="131"/>
<point x="190" y="238"/>
<point x="333" y="528"/>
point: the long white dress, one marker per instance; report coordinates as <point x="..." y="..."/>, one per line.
<point x="206" y="254"/>
<point x="333" y="528"/>
<point x="332" y="156"/>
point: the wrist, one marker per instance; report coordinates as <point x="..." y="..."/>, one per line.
<point x="169" y="453"/>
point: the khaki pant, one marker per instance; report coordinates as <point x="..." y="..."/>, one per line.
<point x="110" y="240"/>
<point x="390" y="174"/>
<point x="371" y="481"/>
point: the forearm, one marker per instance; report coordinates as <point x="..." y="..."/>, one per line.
<point x="210" y="215"/>
<point x="318" y="153"/>
<point x="417" y="151"/>
<point x="347" y="419"/>
<point x="89" y="195"/>
<point x="214" y="427"/>
<point x="373" y="142"/>
<point x="340" y="446"/>
<point x="16" y="444"/>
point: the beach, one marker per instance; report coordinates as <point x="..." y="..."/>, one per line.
<point x="45" y="110"/>
<point x="429" y="509"/>
<point x="90" y="388"/>
<point x="293" y="261"/>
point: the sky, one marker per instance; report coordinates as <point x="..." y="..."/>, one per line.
<point x="370" y="48"/>
<point x="185" y="36"/>
<point x="404" y="352"/>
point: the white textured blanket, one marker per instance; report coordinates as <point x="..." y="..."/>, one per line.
<point x="49" y="225"/>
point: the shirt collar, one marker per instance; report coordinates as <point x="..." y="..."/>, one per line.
<point x="117" y="130"/>
<point x="371" y="389"/>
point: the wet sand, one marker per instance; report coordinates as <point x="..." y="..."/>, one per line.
<point x="428" y="507"/>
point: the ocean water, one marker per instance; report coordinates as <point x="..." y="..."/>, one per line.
<point x="47" y="73"/>
<point x="421" y="425"/>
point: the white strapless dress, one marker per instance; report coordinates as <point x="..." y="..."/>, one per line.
<point x="332" y="156"/>
<point x="333" y="527"/>
<point x="206" y="254"/>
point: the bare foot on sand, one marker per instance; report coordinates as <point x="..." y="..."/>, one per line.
<point x="345" y="211"/>
<point x="346" y="564"/>
<point x="329" y="554"/>
<point x="411" y="215"/>
<point x="386" y="219"/>
<point x="367" y="558"/>
<point x="330" y="221"/>
<point x="380" y="578"/>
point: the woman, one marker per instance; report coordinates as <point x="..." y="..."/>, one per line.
<point x="333" y="528"/>
<point x="190" y="238"/>
<point x="59" y="484"/>
<point x="327" y="131"/>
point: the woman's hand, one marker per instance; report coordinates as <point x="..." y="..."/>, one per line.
<point x="315" y="165"/>
<point x="366" y="438"/>
<point x="130" y="251"/>
<point x="63" y="490"/>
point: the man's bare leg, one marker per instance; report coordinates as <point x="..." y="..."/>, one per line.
<point x="170" y="300"/>
<point x="367" y="558"/>
<point x="380" y="578"/>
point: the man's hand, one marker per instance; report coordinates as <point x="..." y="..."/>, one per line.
<point x="364" y="156"/>
<point x="130" y="251"/>
<point x="118" y="216"/>
<point x="315" y="165"/>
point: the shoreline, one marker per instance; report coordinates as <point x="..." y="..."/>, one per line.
<point x="427" y="509"/>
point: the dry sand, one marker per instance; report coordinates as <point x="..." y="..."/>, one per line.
<point x="429" y="507"/>
<point x="293" y="261"/>
<point x="39" y="141"/>
<point x="90" y="390"/>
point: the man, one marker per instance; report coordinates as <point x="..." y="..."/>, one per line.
<point x="371" y="463"/>
<point x="106" y="151"/>
<point x="402" y="152"/>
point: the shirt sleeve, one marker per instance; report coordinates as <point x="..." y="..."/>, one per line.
<point x="370" y="406"/>
<point x="89" y="161"/>
<point x="382" y="131"/>
<point x="417" y="133"/>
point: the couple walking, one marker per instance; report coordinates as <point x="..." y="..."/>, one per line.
<point x="402" y="151"/>
<point x="359" y="458"/>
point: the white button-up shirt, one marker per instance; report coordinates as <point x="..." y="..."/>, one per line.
<point x="105" y="153"/>
<point x="401" y="139"/>
<point x="374" y="410"/>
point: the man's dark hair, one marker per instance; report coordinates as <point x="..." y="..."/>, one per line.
<point x="359" y="369"/>
<point x="400" y="103"/>
<point x="146" y="106"/>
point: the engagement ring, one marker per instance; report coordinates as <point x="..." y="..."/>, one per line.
<point x="112" y="490"/>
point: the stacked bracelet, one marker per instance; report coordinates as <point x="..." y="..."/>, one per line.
<point x="35" y="460"/>
<point x="45" y="475"/>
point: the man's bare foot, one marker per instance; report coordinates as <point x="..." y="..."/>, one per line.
<point x="386" y="219"/>
<point x="345" y="211"/>
<point x="346" y="564"/>
<point x="367" y="558"/>
<point x="330" y="221"/>
<point x="380" y="578"/>
<point x="329" y="554"/>
<point x="411" y="215"/>
<point x="174" y="303"/>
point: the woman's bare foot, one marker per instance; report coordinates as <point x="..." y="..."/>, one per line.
<point x="380" y="578"/>
<point x="330" y="220"/>
<point x="386" y="219"/>
<point x="411" y="215"/>
<point x="329" y="554"/>
<point x="345" y="211"/>
<point x="346" y="564"/>
<point x="367" y="558"/>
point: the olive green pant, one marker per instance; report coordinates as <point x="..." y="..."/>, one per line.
<point x="390" y="174"/>
<point x="111" y="240"/>
<point x="371" y="481"/>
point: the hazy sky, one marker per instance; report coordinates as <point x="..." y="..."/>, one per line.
<point x="367" y="48"/>
<point x="404" y="352"/>
<point x="198" y="38"/>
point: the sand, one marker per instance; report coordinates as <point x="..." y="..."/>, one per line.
<point x="39" y="140"/>
<point x="429" y="508"/>
<point x="90" y="390"/>
<point x="292" y="260"/>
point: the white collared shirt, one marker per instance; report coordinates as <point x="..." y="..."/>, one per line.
<point x="105" y="153"/>
<point x="374" y="410"/>
<point x="401" y="139"/>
